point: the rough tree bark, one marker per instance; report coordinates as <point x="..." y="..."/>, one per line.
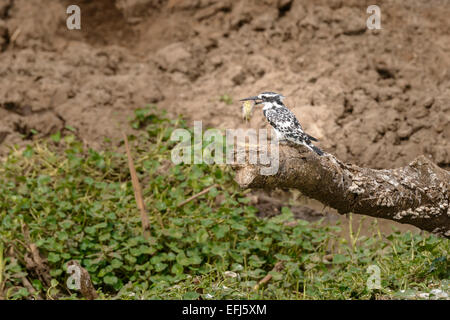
<point x="417" y="194"/>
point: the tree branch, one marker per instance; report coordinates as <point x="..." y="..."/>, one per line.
<point x="417" y="194"/>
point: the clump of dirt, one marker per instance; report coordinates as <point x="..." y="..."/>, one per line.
<point x="374" y="97"/>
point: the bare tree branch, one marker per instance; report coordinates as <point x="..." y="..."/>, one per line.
<point x="417" y="194"/>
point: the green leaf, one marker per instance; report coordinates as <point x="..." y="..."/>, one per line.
<point x="63" y="236"/>
<point x="70" y="128"/>
<point x="53" y="257"/>
<point x="116" y="263"/>
<point x="56" y="273"/>
<point x="220" y="231"/>
<point x="174" y="233"/>
<point x="177" y="268"/>
<point x="340" y="258"/>
<point x="201" y="236"/>
<point x="183" y="260"/>
<point x="28" y="152"/>
<point x="160" y="266"/>
<point x="56" y="137"/>
<point x="111" y="280"/>
<point x="191" y="295"/>
<point x="104" y="237"/>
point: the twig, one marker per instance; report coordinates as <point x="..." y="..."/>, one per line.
<point x="197" y="195"/>
<point x="30" y="288"/>
<point x="1" y="270"/>
<point x="33" y="260"/>
<point x="137" y="191"/>
<point x="15" y="35"/>
<point x="277" y="268"/>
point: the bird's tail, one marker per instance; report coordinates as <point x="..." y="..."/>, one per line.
<point x="315" y="149"/>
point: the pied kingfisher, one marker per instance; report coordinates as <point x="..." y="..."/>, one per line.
<point x="283" y="120"/>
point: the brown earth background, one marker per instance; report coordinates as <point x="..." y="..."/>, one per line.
<point x="376" y="98"/>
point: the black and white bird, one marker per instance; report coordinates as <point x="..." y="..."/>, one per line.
<point x="286" y="125"/>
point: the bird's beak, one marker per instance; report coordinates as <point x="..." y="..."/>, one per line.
<point x="255" y="99"/>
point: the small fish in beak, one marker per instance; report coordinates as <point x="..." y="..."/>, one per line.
<point x="247" y="108"/>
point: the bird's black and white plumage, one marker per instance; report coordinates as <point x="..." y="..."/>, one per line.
<point x="286" y="125"/>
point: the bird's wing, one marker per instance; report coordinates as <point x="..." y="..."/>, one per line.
<point x="283" y="119"/>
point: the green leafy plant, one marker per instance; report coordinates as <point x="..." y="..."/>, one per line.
<point x="225" y="98"/>
<point x="78" y="204"/>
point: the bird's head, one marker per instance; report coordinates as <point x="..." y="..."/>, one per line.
<point x="266" y="97"/>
